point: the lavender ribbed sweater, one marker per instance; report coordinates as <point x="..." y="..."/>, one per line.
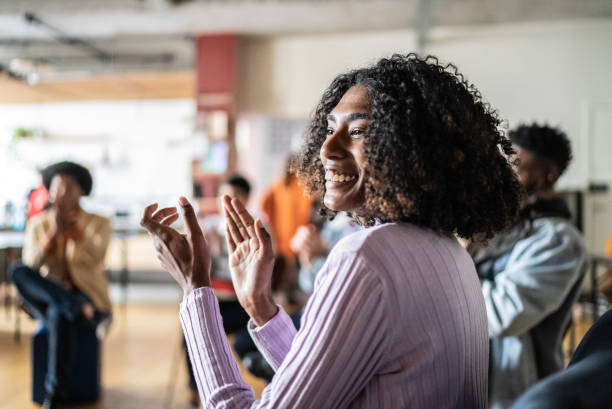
<point x="397" y="320"/>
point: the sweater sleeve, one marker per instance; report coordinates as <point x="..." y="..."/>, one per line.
<point x="33" y="254"/>
<point x="540" y="272"/>
<point x="90" y="250"/>
<point x="274" y="338"/>
<point x="344" y="338"/>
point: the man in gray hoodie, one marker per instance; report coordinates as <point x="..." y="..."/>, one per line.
<point x="531" y="273"/>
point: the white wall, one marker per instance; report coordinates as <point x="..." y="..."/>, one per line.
<point x="551" y="71"/>
<point x="545" y="72"/>
<point x="136" y="150"/>
<point x="286" y="75"/>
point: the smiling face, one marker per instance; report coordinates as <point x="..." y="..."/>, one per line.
<point x="535" y="174"/>
<point x="342" y="153"/>
<point x="64" y="192"/>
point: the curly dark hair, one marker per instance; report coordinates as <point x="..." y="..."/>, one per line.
<point x="545" y="141"/>
<point x="434" y="150"/>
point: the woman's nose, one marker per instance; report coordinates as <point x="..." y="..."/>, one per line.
<point x="333" y="147"/>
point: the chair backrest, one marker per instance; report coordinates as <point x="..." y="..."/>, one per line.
<point x="548" y="352"/>
<point x="585" y="383"/>
<point x="598" y="338"/>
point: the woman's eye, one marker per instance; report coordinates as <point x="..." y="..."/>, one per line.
<point x="356" y="132"/>
<point x="329" y="131"/>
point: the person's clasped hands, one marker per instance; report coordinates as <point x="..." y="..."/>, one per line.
<point x="308" y="244"/>
<point x="187" y="256"/>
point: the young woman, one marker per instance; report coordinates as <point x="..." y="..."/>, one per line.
<point x="397" y="318"/>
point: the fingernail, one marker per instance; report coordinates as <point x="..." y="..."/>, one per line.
<point x="183" y="201"/>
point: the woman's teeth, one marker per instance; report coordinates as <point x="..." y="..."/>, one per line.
<point x="338" y="177"/>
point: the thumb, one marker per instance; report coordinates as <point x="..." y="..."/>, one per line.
<point x="191" y="221"/>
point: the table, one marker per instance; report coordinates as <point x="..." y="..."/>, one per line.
<point x="11" y="243"/>
<point x="123" y="232"/>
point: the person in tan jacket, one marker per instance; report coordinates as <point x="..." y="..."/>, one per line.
<point x="61" y="277"/>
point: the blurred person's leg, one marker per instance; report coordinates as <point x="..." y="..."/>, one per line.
<point x="61" y="334"/>
<point x="235" y="318"/>
<point x="250" y="356"/>
<point x="194" y="397"/>
<point x="37" y="293"/>
<point x="58" y="308"/>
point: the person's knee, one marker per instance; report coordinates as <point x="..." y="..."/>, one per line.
<point x="18" y="272"/>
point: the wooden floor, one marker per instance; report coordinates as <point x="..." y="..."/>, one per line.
<point x="143" y="362"/>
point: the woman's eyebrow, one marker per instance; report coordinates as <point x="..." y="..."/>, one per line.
<point x="351" y="117"/>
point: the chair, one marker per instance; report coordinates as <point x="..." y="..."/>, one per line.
<point x="587" y="380"/>
<point x="83" y="384"/>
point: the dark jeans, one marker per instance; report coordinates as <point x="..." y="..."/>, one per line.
<point x="60" y="310"/>
<point x="235" y="320"/>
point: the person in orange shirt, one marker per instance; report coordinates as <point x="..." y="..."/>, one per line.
<point x="286" y="208"/>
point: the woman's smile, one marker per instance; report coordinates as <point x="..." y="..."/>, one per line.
<point x="338" y="180"/>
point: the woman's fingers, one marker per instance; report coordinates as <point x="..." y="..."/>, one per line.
<point x="231" y="245"/>
<point x="154" y="227"/>
<point x="191" y="221"/>
<point x="168" y="220"/>
<point x="146" y="216"/>
<point x="245" y="217"/>
<point x="148" y="223"/>
<point x="265" y="241"/>
<point x="163" y="213"/>
<point x="233" y="221"/>
<point x="233" y="230"/>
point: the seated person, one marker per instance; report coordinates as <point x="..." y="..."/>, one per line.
<point x="585" y="383"/>
<point x="530" y="274"/>
<point x="312" y="245"/>
<point x="61" y="278"/>
<point x="235" y="319"/>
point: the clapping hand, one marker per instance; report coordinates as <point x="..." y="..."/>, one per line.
<point x="185" y="256"/>
<point x="251" y="261"/>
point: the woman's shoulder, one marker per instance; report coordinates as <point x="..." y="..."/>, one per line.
<point x="387" y="234"/>
<point x="97" y="220"/>
<point x="375" y="245"/>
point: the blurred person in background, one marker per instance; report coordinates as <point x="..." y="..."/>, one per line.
<point x="61" y="277"/>
<point x="312" y="244"/>
<point x="531" y="273"/>
<point x="286" y="208"/>
<point x="397" y="318"/>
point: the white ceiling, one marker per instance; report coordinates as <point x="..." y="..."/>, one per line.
<point x="109" y="18"/>
<point x="163" y="29"/>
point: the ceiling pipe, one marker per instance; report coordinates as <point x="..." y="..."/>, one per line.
<point x="422" y="23"/>
<point x="63" y="38"/>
